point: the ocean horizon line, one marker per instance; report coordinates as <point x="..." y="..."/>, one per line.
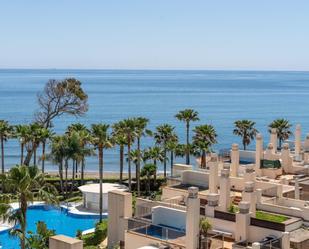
<point x="154" y="69"/>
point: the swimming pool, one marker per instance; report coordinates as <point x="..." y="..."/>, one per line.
<point x="55" y="218"/>
<point x="160" y="232"/>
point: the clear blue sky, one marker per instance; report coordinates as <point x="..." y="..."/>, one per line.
<point x="193" y="34"/>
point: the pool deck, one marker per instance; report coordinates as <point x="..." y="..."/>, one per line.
<point x="74" y="209"/>
<point x="4" y="226"/>
<point x="78" y="210"/>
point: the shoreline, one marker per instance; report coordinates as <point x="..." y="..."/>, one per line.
<point x="94" y="174"/>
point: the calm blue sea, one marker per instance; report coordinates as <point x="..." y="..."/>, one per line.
<point x="221" y="97"/>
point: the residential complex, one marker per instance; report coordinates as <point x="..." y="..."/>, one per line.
<point x="251" y="199"/>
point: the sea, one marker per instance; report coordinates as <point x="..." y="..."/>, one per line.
<point x="220" y="97"/>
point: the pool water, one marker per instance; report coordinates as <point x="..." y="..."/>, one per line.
<point x="55" y="218"/>
<point x="161" y="232"/>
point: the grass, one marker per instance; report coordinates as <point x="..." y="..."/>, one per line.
<point x="271" y="217"/>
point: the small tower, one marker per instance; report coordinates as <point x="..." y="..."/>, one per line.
<point x="250" y="196"/>
<point x="242" y="221"/>
<point x="193" y="219"/>
<point x="212" y="203"/>
<point x="273" y="139"/>
<point x="258" y="153"/>
<point x="297" y="140"/>
<point x="225" y="189"/>
<point x="213" y="173"/>
<point x="234" y="160"/>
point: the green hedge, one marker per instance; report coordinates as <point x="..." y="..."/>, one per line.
<point x="98" y="236"/>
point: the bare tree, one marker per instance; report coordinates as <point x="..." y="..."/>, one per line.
<point x="59" y="98"/>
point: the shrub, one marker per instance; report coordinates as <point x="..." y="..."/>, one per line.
<point x="233" y="209"/>
<point x="98" y="236"/>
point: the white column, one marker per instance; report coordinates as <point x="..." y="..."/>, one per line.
<point x="119" y="208"/>
<point x="306" y="143"/>
<point x="269" y="153"/>
<point x="273" y="139"/>
<point x="234" y="160"/>
<point x="249" y="195"/>
<point x="258" y="153"/>
<point x="213" y="174"/>
<point x="279" y="190"/>
<point x="296" y="185"/>
<point x="242" y="221"/>
<point x="192" y="219"/>
<point x="258" y="196"/>
<point x="225" y="188"/>
<point x="285" y="240"/>
<point x="256" y="245"/>
<point x="212" y="203"/>
<point x="286" y="159"/>
<point x="297" y="140"/>
<point x="249" y="173"/>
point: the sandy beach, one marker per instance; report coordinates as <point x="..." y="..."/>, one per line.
<point x="93" y="174"/>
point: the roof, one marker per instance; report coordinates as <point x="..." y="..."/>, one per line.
<point x="66" y="239"/>
<point x="107" y="187"/>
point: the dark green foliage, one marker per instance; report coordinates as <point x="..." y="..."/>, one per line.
<point x="98" y="236"/>
<point x="40" y="239"/>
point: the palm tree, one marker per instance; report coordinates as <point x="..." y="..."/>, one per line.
<point x="58" y="154"/>
<point x="40" y="239"/>
<point x="120" y="139"/>
<point x="205" y="136"/>
<point x="205" y="226"/>
<point x="101" y="140"/>
<point x="22" y="132"/>
<point x="163" y="135"/>
<point x="246" y="130"/>
<point x="36" y="138"/>
<point x="45" y="135"/>
<point x="75" y="151"/>
<point x="187" y="116"/>
<point x="25" y="182"/>
<point x="147" y="171"/>
<point x="85" y="139"/>
<point x="171" y="147"/>
<point x="156" y="154"/>
<point x="135" y="157"/>
<point x="283" y="127"/>
<point x="6" y="131"/>
<point x="140" y="131"/>
<point x="128" y="128"/>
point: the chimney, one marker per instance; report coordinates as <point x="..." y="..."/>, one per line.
<point x="234" y="160"/>
<point x="213" y="173"/>
<point x="192" y="219"/>
<point x="273" y="139"/>
<point x="259" y="151"/>
<point x="225" y="188"/>
<point x="297" y="140"/>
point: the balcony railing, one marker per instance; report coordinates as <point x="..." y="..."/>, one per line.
<point x="157" y="232"/>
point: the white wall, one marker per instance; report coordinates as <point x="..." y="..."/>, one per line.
<point x="179" y="168"/>
<point x="169" y="217"/>
<point x="92" y="201"/>
<point x="290" y="211"/>
<point x="133" y="241"/>
<point x="198" y="178"/>
<point x="258" y="233"/>
<point x="223" y="225"/>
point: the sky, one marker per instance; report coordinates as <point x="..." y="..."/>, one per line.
<point x="155" y="34"/>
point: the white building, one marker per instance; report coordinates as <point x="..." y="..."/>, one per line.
<point x="91" y="194"/>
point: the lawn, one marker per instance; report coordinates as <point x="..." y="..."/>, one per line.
<point x="271" y="217"/>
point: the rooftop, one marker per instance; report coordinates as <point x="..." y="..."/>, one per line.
<point x="107" y="187"/>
